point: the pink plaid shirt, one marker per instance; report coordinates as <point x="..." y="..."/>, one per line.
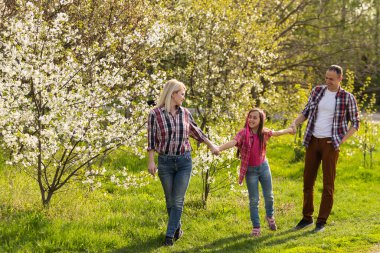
<point x="168" y="134"/>
<point x="246" y="150"/>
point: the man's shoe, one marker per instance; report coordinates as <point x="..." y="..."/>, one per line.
<point x="178" y="234"/>
<point x="303" y="224"/>
<point x="168" y="241"/>
<point x="319" y="227"/>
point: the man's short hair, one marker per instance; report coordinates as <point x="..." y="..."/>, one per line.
<point x="337" y="69"/>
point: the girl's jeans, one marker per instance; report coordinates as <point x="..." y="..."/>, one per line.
<point x="263" y="175"/>
<point x="174" y="172"/>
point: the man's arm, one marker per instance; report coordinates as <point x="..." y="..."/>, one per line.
<point x="353" y="113"/>
<point x="301" y="118"/>
<point x="283" y="131"/>
<point x="349" y="133"/>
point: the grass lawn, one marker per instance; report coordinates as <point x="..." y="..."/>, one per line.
<point x="134" y="220"/>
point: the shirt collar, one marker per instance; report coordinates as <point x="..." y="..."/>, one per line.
<point x="179" y="109"/>
<point x="340" y="89"/>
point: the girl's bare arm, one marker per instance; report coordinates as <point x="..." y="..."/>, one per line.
<point x="227" y="145"/>
<point x="282" y="132"/>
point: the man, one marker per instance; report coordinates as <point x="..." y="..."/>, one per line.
<point x="328" y="111"/>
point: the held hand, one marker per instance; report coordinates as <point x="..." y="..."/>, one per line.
<point x="152" y="168"/>
<point x="291" y="130"/>
<point x="215" y="150"/>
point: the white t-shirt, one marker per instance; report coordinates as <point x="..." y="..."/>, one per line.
<point x="325" y="115"/>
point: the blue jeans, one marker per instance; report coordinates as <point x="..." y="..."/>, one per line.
<point x="263" y="175"/>
<point x="174" y="172"/>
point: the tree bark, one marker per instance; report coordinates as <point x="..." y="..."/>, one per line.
<point x="377" y="36"/>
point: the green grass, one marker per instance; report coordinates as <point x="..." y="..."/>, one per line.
<point x="134" y="220"/>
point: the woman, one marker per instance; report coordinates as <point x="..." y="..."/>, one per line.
<point x="169" y="128"/>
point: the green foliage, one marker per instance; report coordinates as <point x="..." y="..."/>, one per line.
<point x="218" y="173"/>
<point x="322" y="33"/>
<point x="299" y="149"/>
<point x="284" y="104"/>
<point x="366" y="138"/>
<point x="231" y="54"/>
<point x="220" y="50"/>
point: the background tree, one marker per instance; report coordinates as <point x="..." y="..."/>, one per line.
<point x="220" y="50"/>
<point x="340" y="32"/>
<point x="64" y="97"/>
<point x="82" y="70"/>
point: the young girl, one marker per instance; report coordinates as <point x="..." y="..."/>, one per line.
<point x="251" y="142"/>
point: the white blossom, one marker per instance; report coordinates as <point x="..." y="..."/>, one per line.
<point x="61" y="104"/>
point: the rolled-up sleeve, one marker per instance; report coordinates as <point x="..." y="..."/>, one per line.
<point x="353" y="112"/>
<point x="151" y="131"/>
<point x="194" y="131"/>
<point x="268" y="134"/>
<point x="239" y="138"/>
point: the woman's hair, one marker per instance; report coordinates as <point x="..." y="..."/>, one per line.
<point x="170" y="87"/>
<point x="259" y="130"/>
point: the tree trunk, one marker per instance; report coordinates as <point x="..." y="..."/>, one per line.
<point x="206" y="188"/>
<point x="377" y="36"/>
<point x="343" y="16"/>
<point x="342" y="32"/>
<point x="46" y="197"/>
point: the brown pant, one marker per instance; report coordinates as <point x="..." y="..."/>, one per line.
<point x="319" y="149"/>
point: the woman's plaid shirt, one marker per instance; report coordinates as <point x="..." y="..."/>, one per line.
<point x="346" y="110"/>
<point x="169" y="134"/>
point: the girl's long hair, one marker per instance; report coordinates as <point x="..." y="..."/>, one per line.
<point x="259" y="130"/>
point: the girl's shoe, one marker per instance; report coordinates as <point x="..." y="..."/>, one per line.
<point x="256" y="232"/>
<point x="271" y="223"/>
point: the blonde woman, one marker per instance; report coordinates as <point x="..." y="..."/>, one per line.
<point x="169" y="127"/>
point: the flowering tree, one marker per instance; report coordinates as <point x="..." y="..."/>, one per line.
<point x="65" y="100"/>
<point x="220" y="50"/>
<point x="217" y="172"/>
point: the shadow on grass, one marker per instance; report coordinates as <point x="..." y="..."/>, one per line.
<point x="246" y="243"/>
<point x="138" y="246"/>
<point x="237" y="243"/>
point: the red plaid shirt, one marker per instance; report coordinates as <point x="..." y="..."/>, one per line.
<point x="345" y="110"/>
<point x="246" y="150"/>
<point x="168" y="134"/>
